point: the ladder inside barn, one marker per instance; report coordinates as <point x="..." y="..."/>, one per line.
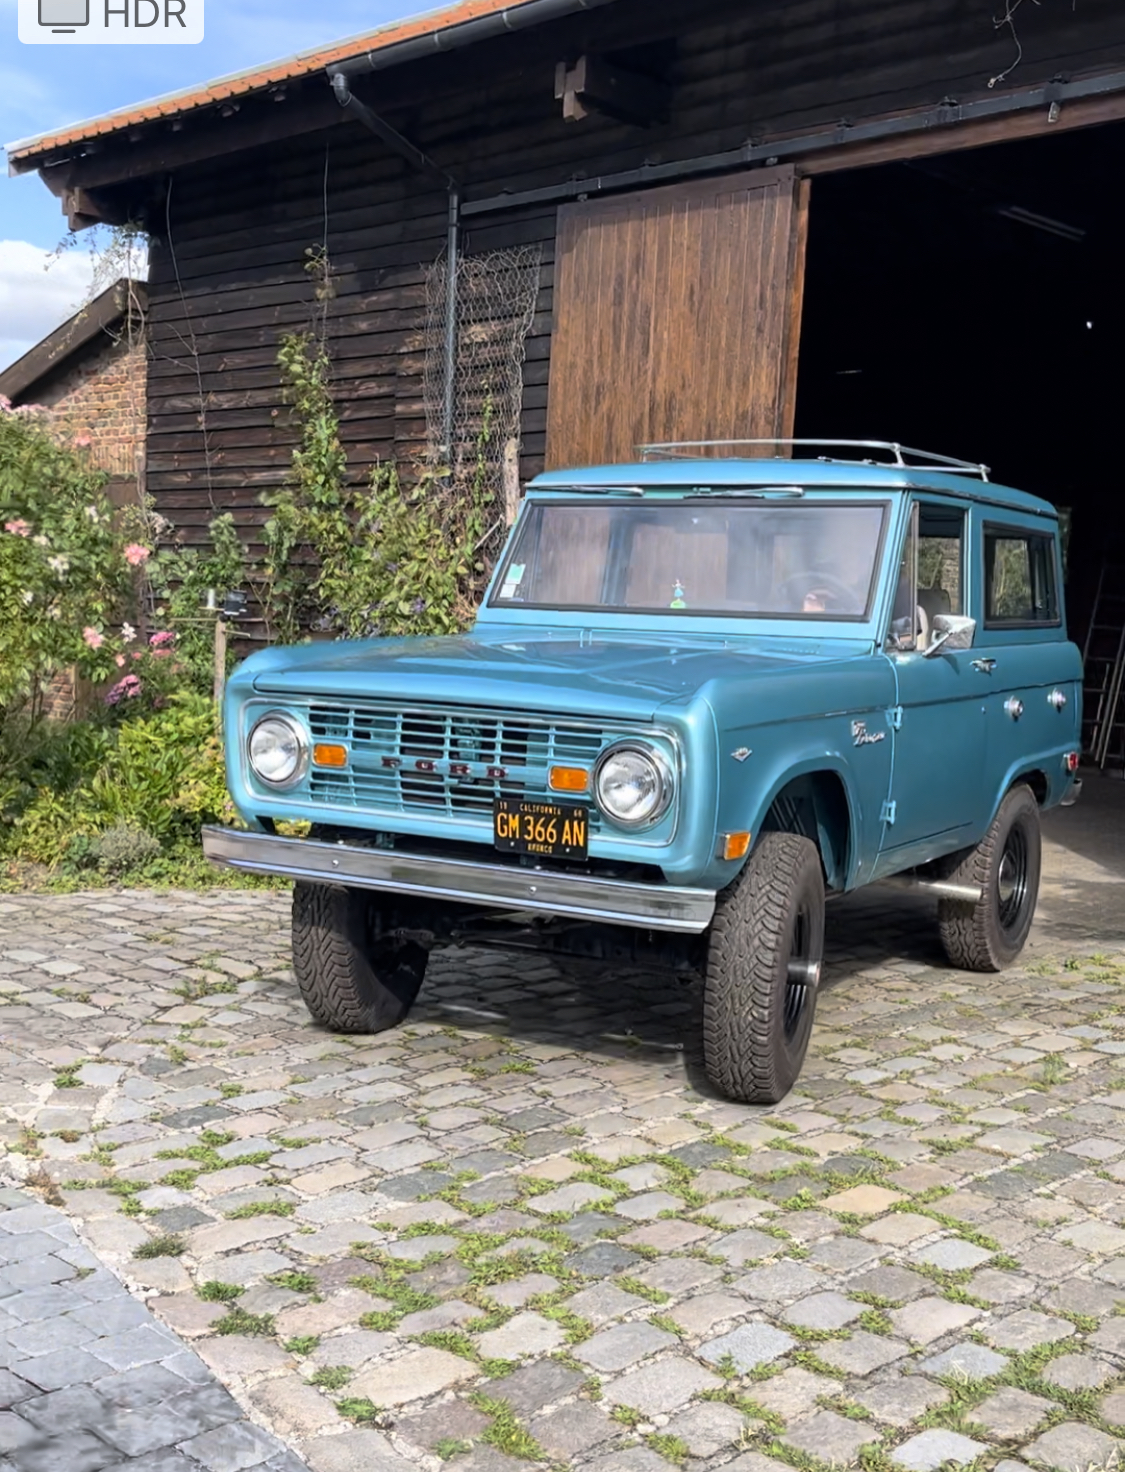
<point x="1103" y="658"/>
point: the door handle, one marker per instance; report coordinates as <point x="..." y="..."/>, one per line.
<point x="985" y="666"/>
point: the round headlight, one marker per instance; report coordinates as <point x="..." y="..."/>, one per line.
<point x="277" y="750"/>
<point x="632" y="784"/>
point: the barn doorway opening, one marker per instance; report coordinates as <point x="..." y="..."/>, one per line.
<point x="973" y="303"/>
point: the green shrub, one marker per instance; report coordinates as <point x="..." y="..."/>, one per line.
<point x="124" y="847"/>
<point x="68" y="565"/>
<point x="151" y="780"/>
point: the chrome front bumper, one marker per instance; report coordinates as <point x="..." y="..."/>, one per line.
<point x="497" y="886"/>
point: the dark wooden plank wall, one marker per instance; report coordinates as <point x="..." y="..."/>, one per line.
<point x="228" y="277"/>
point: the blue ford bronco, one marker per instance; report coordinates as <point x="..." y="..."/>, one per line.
<point x="703" y="691"/>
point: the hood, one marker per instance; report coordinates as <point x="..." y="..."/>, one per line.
<point x="597" y="676"/>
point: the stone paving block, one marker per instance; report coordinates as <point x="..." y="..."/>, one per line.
<point x="952" y="1255"/>
<point x="661" y="1387"/>
<point x="233" y="1447"/>
<point x="747" y="1246"/>
<point x="416" y="1375"/>
<point x="830" y="1437"/>
<point x="862" y="1352"/>
<point x="707" y="1428"/>
<point x="927" y="1319"/>
<point x="621" y="1346"/>
<point x="1095" y="1237"/>
<point x="523" y="1337"/>
<point x="573" y="1430"/>
<point x="1010" y="1413"/>
<point x="863" y="1200"/>
<point x="900" y="1399"/>
<point x="356" y="1451"/>
<point x="1027" y="1329"/>
<point x="935" y="1449"/>
<point x="779" y="1280"/>
<point x="534" y="1387"/>
<point x="600" y="1303"/>
<point x="823" y="1311"/>
<point x="1073" y="1447"/>
<point x="1078" y="1372"/>
<point x="973" y="1361"/>
<point x="748" y="1347"/>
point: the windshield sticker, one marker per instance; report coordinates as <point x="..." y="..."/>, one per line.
<point x="678" y="599"/>
<point x="512" y="580"/>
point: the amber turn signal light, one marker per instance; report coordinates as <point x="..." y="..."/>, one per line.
<point x="735" y="845"/>
<point x="568" y="779"/>
<point x="326" y="754"/>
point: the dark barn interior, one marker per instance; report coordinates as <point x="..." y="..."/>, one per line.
<point x="972" y="303"/>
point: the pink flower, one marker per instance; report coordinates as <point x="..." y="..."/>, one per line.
<point x="92" y="639"/>
<point x="19" y="527"/>
<point x="135" y="554"/>
<point x="126" y="689"/>
<point x="81" y="441"/>
<point x="165" y="636"/>
<point x="119" y="661"/>
<point x="5" y="403"/>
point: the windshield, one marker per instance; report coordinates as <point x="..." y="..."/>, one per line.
<point x="813" y="560"/>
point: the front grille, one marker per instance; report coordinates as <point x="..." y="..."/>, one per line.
<point x="524" y="749"/>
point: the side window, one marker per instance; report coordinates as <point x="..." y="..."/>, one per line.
<point x="931" y="575"/>
<point x="1019" y="577"/>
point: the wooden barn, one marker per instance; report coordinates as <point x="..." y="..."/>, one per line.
<point x="630" y="220"/>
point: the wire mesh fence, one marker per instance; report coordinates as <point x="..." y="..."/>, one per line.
<point x="473" y="423"/>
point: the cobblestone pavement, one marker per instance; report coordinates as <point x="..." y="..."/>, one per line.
<point x="521" y="1230"/>
<point x="90" y="1379"/>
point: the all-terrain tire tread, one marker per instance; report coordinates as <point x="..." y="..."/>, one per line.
<point x="966" y="929"/>
<point x="751" y="924"/>
<point x="336" y="977"/>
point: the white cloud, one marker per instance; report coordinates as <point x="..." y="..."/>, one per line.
<point x="37" y="294"/>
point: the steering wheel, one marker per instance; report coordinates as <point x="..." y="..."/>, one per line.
<point x="791" y="590"/>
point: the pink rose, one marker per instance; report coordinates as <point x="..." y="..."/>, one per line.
<point x="81" y="441"/>
<point x="135" y="554"/>
<point x="92" y="639"/>
<point x="19" y="527"/>
<point x="119" y="661"/>
<point x="125" y="689"/>
<point x="159" y="640"/>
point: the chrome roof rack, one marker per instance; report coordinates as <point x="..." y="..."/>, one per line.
<point x="895" y="454"/>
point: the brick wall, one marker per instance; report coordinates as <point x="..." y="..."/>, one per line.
<point x="98" y="396"/>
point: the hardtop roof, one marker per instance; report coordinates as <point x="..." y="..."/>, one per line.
<point x="764" y="471"/>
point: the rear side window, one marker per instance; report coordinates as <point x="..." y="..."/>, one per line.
<point x="1019" y="577"/>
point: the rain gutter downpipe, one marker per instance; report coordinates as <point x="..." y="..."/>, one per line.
<point x="424" y="165"/>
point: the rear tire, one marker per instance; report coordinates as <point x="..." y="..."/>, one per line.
<point x="351" y="977"/>
<point x="764" y="954"/>
<point x="990" y="934"/>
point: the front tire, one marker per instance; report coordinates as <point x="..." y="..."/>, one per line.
<point x="764" y="954"/>
<point x="353" y="978"/>
<point x="1006" y="864"/>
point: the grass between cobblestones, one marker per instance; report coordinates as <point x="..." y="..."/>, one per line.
<point x="773" y="1220"/>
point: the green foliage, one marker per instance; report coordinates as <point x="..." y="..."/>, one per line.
<point x="355" y="560"/>
<point x="332" y="1377"/>
<point x="215" y="1292"/>
<point x="162" y="1246"/>
<point x="302" y="1344"/>
<point x="111" y="794"/>
<point x="237" y="1321"/>
<point x="64" y="576"/>
<point x="123" y="847"/>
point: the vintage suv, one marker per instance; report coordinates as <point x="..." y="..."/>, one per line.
<point x="702" y="691"/>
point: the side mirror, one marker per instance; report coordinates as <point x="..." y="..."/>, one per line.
<point x="951" y="631"/>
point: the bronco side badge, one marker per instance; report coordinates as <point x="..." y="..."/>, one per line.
<point x="741" y="754"/>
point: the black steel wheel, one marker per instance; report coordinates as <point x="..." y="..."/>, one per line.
<point x="764" y="954"/>
<point x="352" y="975"/>
<point x="989" y="934"/>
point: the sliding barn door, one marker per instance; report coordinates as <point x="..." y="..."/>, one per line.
<point x="677" y="316"/>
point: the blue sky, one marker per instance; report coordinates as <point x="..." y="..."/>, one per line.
<point x="44" y="87"/>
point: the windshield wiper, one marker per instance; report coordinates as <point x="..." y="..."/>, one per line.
<point x="744" y="493"/>
<point x="587" y="490"/>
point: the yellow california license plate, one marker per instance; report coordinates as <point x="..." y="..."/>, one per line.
<point x="554" y="830"/>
